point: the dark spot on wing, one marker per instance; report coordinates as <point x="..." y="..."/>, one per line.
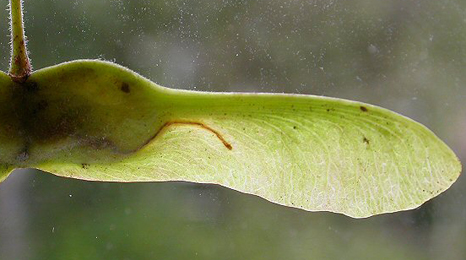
<point x="363" y="108"/>
<point x="125" y="87"/>
<point x="365" y="140"/>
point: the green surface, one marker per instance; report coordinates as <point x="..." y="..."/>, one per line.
<point x="98" y="121"/>
<point x="407" y="56"/>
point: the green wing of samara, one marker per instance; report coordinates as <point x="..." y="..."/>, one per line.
<point x="94" y="120"/>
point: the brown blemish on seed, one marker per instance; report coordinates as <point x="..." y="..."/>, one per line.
<point x="363" y="108"/>
<point x="125" y="87"/>
<point x="202" y="125"/>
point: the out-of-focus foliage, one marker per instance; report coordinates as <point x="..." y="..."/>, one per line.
<point x="408" y="56"/>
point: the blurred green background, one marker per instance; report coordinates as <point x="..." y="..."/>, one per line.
<point x="405" y="55"/>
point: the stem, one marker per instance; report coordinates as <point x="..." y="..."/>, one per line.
<point x="20" y="67"/>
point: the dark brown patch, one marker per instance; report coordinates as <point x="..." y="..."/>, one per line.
<point x="85" y="166"/>
<point x="363" y="108"/>
<point x="125" y="87"/>
<point x="365" y="140"/>
<point x="44" y="130"/>
<point x="202" y="125"/>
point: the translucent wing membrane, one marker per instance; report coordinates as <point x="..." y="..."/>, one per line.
<point x="95" y="120"/>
